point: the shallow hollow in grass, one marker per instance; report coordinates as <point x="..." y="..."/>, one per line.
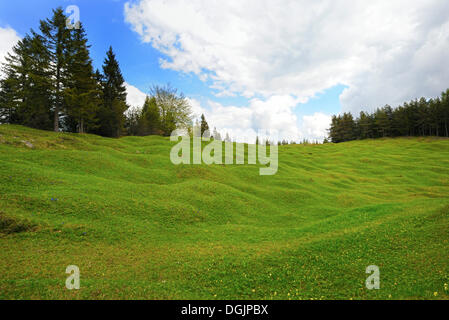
<point x="9" y="225"/>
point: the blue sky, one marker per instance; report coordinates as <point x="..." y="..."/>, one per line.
<point x="250" y="65"/>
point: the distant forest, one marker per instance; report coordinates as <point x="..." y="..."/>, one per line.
<point x="423" y="117"/>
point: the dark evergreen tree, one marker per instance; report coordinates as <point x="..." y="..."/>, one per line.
<point x="82" y="93"/>
<point x="7" y="112"/>
<point x="365" y="126"/>
<point x="400" y="122"/>
<point x="111" y="113"/>
<point x="424" y="117"/>
<point x="348" y="127"/>
<point x="204" y="125"/>
<point x="149" y="120"/>
<point x="337" y="130"/>
<point x="26" y="96"/>
<point x="445" y="112"/>
<point x="132" y="121"/>
<point x="435" y="116"/>
<point x="56" y="37"/>
<point x="9" y="99"/>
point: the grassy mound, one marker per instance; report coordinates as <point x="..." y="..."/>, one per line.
<point x="139" y="227"/>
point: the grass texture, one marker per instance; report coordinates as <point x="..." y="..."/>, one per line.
<point x="139" y="227"/>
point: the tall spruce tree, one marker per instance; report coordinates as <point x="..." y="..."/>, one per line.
<point x="349" y="127"/>
<point x="204" y="125"/>
<point x="365" y="126"/>
<point x="9" y="97"/>
<point x="382" y="123"/>
<point x="26" y="95"/>
<point x="424" y="117"/>
<point x="445" y="111"/>
<point x="111" y="114"/>
<point x="435" y="116"/>
<point x="149" y="120"/>
<point x="335" y="131"/>
<point x="82" y="93"/>
<point x="15" y="83"/>
<point x="401" y="122"/>
<point x="132" y="121"/>
<point x="56" y="38"/>
<point x="6" y="110"/>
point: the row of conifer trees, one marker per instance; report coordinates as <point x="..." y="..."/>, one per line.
<point x="49" y="83"/>
<point x="423" y="117"/>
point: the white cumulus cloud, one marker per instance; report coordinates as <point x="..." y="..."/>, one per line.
<point x="275" y="115"/>
<point x="135" y="98"/>
<point x="315" y="127"/>
<point x="385" y="51"/>
<point x="8" y="38"/>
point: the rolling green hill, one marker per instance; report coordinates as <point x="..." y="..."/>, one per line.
<point x="139" y="227"/>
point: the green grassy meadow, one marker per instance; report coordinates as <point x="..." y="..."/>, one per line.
<point x="140" y="227"/>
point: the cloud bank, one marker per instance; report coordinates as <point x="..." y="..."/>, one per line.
<point x="135" y="98"/>
<point x="8" y="39"/>
<point x="385" y="51"/>
<point x="275" y="114"/>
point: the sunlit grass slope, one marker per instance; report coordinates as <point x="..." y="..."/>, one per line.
<point x="139" y="227"/>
